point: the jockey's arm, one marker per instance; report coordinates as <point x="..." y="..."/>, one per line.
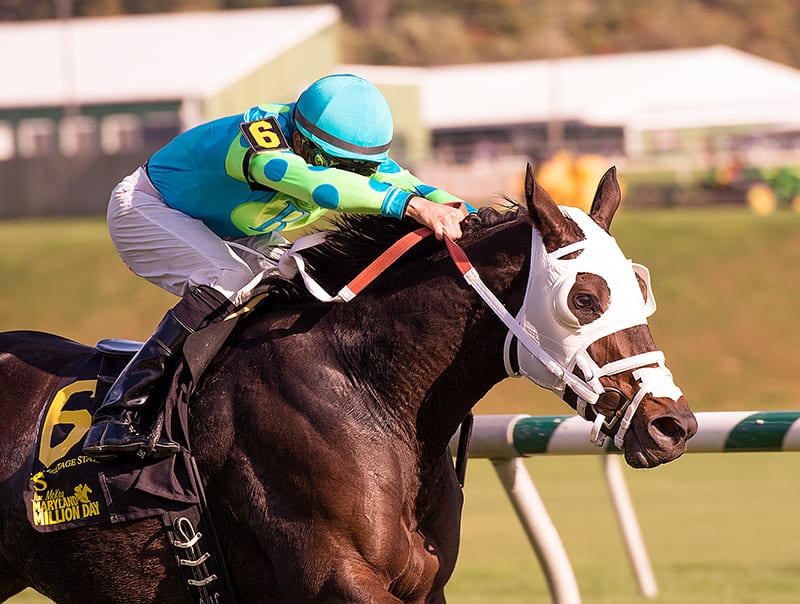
<point x="328" y="188"/>
<point x="426" y="206"/>
<point x="395" y="175"/>
<point x="392" y="195"/>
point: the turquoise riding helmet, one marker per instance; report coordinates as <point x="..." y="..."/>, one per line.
<point x="345" y="117"/>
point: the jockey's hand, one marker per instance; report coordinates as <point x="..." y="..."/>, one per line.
<point x="442" y="220"/>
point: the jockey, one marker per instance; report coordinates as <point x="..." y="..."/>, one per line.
<point x="202" y="218"/>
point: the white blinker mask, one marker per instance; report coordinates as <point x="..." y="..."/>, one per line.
<point x="546" y="316"/>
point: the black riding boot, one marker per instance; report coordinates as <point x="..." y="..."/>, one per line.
<point x="115" y="426"/>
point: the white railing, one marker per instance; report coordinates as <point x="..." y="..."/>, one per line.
<point x="507" y="439"/>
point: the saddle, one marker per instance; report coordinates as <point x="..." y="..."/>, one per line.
<point x="69" y="490"/>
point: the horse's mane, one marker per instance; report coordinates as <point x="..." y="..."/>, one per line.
<point x="357" y="239"/>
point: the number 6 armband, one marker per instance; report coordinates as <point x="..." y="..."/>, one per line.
<point x="264" y="135"/>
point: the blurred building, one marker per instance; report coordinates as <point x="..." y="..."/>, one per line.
<point x="684" y="112"/>
<point x="111" y="81"/>
<point x="84" y="100"/>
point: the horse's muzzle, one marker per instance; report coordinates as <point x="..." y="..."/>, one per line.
<point x="659" y="432"/>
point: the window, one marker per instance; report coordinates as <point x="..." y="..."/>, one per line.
<point x="78" y="135"/>
<point x="121" y="133"/>
<point x="36" y="137"/>
<point x="160" y="127"/>
<point x="6" y="141"/>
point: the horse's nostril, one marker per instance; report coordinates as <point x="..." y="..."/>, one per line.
<point x="669" y="427"/>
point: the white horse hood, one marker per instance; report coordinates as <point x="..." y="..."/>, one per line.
<point x="548" y="318"/>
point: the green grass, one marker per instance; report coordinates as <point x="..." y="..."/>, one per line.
<point x="719" y="528"/>
<point x="65" y="277"/>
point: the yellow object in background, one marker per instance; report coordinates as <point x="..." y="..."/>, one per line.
<point x="572" y="181"/>
<point x="761" y="199"/>
<point x="587" y="171"/>
<point x="555" y="175"/>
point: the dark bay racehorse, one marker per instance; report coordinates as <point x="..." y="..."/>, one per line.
<point x="321" y="430"/>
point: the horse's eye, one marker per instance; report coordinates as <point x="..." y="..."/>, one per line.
<point x="583" y="302"/>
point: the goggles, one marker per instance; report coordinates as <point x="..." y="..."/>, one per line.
<point x="318" y="157"/>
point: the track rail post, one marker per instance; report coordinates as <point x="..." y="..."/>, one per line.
<point x="540" y="529"/>
<point x="629" y="525"/>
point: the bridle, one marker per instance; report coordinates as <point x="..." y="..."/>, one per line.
<point x="555" y="351"/>
<point x="553" y="370"/>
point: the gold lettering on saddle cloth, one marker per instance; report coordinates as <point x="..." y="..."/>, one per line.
<point x="54" y="506"/>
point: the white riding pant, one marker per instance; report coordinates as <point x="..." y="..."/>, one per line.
<point x="179" y="253"/>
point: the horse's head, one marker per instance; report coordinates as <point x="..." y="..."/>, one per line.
<point x="592" y="345"/>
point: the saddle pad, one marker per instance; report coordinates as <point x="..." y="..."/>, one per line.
<point x="68" y="489"/>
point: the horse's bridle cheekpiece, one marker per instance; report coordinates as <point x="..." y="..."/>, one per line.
<point x="551" y="344"/>
<point x="557" y="344"/>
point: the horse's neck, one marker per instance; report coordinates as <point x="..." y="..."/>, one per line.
<point x="433" y="351"/>
<point x="408" y="358"/>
